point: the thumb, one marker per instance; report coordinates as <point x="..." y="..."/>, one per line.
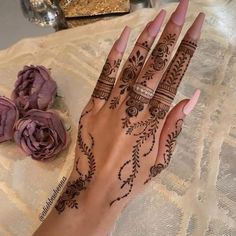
<point x="171" y="130"/>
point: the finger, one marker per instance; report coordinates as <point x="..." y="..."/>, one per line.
<point x="161" y="54"/>
<point x="107" y="78"/>
<point x="168" y="86"/>
<point x="135" y="62"/>
<point x="171" y="130"/>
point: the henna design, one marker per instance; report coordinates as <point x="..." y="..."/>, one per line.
<point x="135" y="103"/>
<point x="88" y="110"/>
<point x="170" y="145"/>
<point x="75" y="187"/>
<point x="106" y="81"/>
<point x="114" y="103"/>
<point x="151" y="127"/>
<point x="134" y="106"/>
<point x="159" y="56"/>
<point x="139" y="95"/>
<point x="132" y="127"/>
<point x="143" y="45"/>
<point x="125" y="122"/>
<point x="170" y="82"/>
<point x="129" y="75"/>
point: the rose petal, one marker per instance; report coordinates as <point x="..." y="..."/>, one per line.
<point x="34" y="89"/>
<point x="42" y="134"/>
<point x="8" y="116"/>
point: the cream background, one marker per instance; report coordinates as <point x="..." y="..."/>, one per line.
<point x="196" y="195"/>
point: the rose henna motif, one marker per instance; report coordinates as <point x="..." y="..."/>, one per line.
<point x="8" y="116"/>
<point x="160" y="56"/>
<point x="34" y="89"/>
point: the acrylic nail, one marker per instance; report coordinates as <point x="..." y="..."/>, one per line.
<point x="121" y="43"/>
<point x="195" y="30"/>
<point x="156" y="24"/>
<point x="192" y="102"/>
<point x="178" y="17"/>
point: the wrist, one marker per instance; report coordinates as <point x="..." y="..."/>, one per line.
<point x="92" y="217"/>
<point x="95" y="216"/>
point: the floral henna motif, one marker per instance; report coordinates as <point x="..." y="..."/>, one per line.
<point x="160" y="56"/>
<point x="134" y="104"/>
<point x="128" y="76"/>
<point x="170" y="145"/>
<point x="106" y="80"/>
<point x="74" y="188"/>
<point x="139" y="96"/>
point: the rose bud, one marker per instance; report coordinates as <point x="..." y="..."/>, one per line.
<point x="40" y="134"/>
<point x="34" y="89"/>
<point x="8" y="116"/>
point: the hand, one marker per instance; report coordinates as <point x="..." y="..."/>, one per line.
<point x="126" y="133"/>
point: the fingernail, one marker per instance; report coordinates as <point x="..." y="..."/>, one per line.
<point x="192" y="102"/>
<point x="178" y="17"/>
<point x="195" y="30"/>
<point x="156" y="24"/>
<point x="121" y="43"/>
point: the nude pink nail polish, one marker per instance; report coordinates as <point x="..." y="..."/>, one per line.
<point x="192" y="102"/>
<point x="178" y="17"/>
<point x="121" y="43"/>
<point x="156" y="24"/>
<point x="195" y="30"/>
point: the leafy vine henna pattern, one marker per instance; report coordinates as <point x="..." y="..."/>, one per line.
<point x="128" y="76"/>
<point x="149" y="129"/>
<point x="159" y="56"/>
<point x="170" y="145"/>
<point x="106" y="80"/>
<point x="75" y="187"/>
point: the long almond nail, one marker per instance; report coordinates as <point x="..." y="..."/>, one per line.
<point x="178" y="17"/>
<point x="121" y="43"/>
<point x="156" y="24"/>
<point x="195" y="30"/>
<point x="192" y="102"/>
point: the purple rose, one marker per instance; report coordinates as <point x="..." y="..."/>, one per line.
<point x="40" y="134"/>
<point x="34" y="89"/>
<point x="8" y="116"/>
